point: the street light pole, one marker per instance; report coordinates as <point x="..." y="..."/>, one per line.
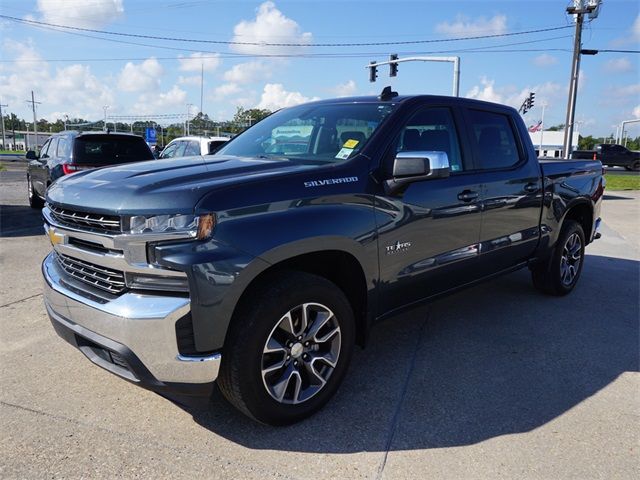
<point x="544" y="105"/>
<point x="4" y="141"/>
<point x="105" y="108"/>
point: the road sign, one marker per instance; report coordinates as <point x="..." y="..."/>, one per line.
<point x="150" y="135"/>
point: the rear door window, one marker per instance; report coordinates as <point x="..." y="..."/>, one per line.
<point x="110" y="150"/>
<point x="215" y="145"/>
<point x="494" y="139"/>
<point x="64" y="147"/>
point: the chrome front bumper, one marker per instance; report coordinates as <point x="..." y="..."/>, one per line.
<point x="140" y="325"/>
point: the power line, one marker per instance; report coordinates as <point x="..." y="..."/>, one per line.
<point x="485" y="49"/>
<point x="280" y="44"/>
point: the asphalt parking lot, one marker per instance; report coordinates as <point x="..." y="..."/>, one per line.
<point x="498" y="381"/>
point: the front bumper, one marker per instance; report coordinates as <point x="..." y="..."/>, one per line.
<point x="132" y="336"/>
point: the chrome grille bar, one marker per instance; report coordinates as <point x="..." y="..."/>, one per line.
<point x="103" y="278"/>
<point x="110" y="223"/>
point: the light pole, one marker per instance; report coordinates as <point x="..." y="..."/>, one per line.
<point x="66" y="119"/>
<point x="4" y="141"/>
<point x="544" y="105"/>
<point x="105" y="108"/>
<point x="394" y="62"/>
<point x="186" y="122"/>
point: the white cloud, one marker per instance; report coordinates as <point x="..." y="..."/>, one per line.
<point x="549" y="92"/>
<point x="275" y="97"/>
<point x="344" y="89"/>
<point x="196" y="61"/>
<point x="269" y="26"/>
<point x="545" y="60"/>
<point x="463" y="26"/>
<point x="636" y="112"/>
<point x="625" y="92"/>
<point x="248" y="72"/>
<point x="141" y="77"/>
<point x="80" y="13"/>
<point x="73" y="89"/>
<point x="618" y="65"/>
<point x="171" y="101"/>
<point x="226" y="90"/>
<point x="485" y="91"/>
<point x="193" y="80"/>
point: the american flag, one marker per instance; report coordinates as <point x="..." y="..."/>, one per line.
<point x="537" y="127"/>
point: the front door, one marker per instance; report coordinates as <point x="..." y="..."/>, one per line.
<point x="428" y="233"/>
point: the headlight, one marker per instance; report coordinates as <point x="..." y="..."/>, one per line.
<point x="199" y="227"/>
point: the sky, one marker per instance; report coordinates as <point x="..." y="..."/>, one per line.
<point x="79" y="72"/>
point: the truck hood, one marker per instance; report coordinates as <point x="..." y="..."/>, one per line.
<point x="162" y="186"/>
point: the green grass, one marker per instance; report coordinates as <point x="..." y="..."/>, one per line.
<point x="623" y="182"/>
<point x="14" y="152"/>
<point x="2" y="168"/>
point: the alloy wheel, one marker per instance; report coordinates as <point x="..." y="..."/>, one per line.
<point x="571" y="259"/>
<point x="301" y="353"/>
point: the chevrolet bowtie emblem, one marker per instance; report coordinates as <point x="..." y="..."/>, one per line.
<point x="55" y="237"/>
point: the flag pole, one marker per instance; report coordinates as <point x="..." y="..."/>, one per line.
<point x="544" y="104"/>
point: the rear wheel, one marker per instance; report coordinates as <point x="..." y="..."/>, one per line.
<point x="288" y="348"/>
<point x="35" y="201"/>
<point x="560" y="273"/>
<point x="635" y="166"/>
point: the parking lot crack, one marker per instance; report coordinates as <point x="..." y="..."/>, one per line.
<point x="21" y="300"/>
<point x="403" y="393"/>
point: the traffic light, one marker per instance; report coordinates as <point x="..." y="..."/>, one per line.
<point x="373" y="71"/>
<point x="393" y="67"/>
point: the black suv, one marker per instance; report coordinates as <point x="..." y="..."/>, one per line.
<point x="68" y="152"/>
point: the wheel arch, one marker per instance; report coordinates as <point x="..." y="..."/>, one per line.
<point x="339" y="267"/>
<point x="581" y="212"/>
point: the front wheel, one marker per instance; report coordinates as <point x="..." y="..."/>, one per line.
<point x="560" y="273"/>
<point x="635" y="166"/>
<point x="288" y="348"/>
<point x="35" y="201"/>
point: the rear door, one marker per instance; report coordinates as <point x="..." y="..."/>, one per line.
<point x="511" y="197"/>
<point x="40" y="171"/>
<point x="429" y="231"/>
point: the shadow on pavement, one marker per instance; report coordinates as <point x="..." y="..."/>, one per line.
<point x="608" y="196"/>
<point x="20" y="221"/>
<point x="493" y="360"/>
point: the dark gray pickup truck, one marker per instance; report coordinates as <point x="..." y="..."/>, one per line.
<point x="262" y="266"/>
<point x="611" y="155"/>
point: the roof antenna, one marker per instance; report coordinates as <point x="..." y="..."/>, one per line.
<point x="387" y="94"/>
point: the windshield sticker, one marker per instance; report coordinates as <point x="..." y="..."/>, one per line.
<point x="330" y="181"/>
<point x="351" y="143"/>
<point x="344" y="153"/>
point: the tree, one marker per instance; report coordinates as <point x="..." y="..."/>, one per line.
<point x="556" y="128"/>
<point x="244" y="118"/>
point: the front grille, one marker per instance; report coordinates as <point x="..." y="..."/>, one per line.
<point x="84" y="220"/>
<point x="106" y="279"/>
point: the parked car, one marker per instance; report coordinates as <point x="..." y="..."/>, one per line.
<point x="612" y="155"/>
<point x="261" y="269"/>
<point x="70" y="151"/>
<point x="192" y="146"/>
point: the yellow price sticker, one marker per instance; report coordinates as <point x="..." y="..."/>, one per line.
<point x="350" y="143"/>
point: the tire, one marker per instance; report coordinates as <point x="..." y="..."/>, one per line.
<point x="635" y="166"/>
<point x="35" y="201"/>
<point x="561" y="272"/>
<point x="260" y="352"/>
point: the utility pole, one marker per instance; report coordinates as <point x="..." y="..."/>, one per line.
<point x="66" y="119"/>
<point x="201" y="85"/>
<point x="4" y="141"/>
<point x="35" y="121"/>
<point x="579" y="9"/>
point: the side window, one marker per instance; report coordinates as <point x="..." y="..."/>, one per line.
<point x="45" y="149"/>
<point x="64" y="147"/>
<point x="432" y="129"/>
<point x="170" y="150"/>
<point x="495" y="142"/>
<point x="51" y="151"/>
<point x="193" y="148"/>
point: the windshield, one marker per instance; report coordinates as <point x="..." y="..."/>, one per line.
<point x="323" y="133"/>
